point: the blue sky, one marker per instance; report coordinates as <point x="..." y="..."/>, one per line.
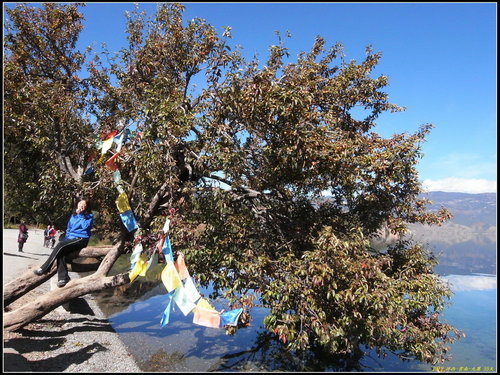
<point x="440" y="59"/>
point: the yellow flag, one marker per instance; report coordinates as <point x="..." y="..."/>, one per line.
<point x="170" y="277"/>
<point x="139" y="268"/>
<point x="122" y="203"/>
<point x="144" y="265"/>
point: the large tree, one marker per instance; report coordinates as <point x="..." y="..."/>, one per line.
<point x="45" y="130"/>
<point x="239" y="155"/>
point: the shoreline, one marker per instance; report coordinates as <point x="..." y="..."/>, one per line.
<point x="75" y="337"/>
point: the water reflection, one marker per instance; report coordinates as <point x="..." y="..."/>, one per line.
<point x="473" y="312"/>
<point x="460" y="283"/>
<point x="181" y="346"/>
<point x="200" y="349"/>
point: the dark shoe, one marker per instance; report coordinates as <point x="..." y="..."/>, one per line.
<point x="62" y="283"/>
<point x="20" y="251"/>
<point x="38" y="272"/>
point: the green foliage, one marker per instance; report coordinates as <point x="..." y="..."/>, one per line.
<point x="240" y="165"/>
<point x="338" y="296"/>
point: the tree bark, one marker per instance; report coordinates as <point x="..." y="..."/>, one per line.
<point x="42" y="305"/>
<point x="49" y="301"/>
<point x="23" y="284"/>
<point x="29" y="281"/>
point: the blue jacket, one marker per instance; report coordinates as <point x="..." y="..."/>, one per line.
<point x="79" y="226"/>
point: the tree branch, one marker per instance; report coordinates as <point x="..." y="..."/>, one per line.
<point x="111" y="258"/>
<point x="221" y="179"/>
<point x="62" y="164"/>
<point x="44" y="304"/>
<point x="153" y="206"/>
<point x="71" y="170"/>
<point x="29" y="281"/>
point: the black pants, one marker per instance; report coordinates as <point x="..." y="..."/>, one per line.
<point x="59" y="253"/>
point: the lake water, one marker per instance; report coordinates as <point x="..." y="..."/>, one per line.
<point x="182" y="346"/>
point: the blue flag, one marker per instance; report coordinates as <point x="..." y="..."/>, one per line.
<point x="128" y="220"/>
<point x="166" y="314"/>
<point x="230" y="317"/>
<point x="167" y="250"/>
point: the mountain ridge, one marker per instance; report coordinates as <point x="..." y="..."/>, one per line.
<point x="467" y="242"/>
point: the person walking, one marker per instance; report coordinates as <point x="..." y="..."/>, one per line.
<point x="52" y="237"/>
<point x="46" y="236"/>
<point x="76" y="238"/>
<point x="22" y="237"/>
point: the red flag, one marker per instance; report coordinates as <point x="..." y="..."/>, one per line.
<point x="109" y="135"/>
<point x="110" y="163"/>
<point x="206" y="318"/>
<point x="180" y="266"/>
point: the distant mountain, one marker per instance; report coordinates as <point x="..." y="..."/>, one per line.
<point x="467" y="243"/>
<point x="467" y="209"/>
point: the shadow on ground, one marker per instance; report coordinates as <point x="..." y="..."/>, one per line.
<point x="16" y="362"/>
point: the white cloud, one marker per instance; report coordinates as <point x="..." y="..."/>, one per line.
<point x="461" y="185"/>
<point x="468" y="282"/>
<point x="461" y="165"/>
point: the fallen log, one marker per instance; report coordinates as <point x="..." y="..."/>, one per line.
<point x="29" y="281"/>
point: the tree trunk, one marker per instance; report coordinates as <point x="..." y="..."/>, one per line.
<point x="44" y="304"/>
<point x="23" y="284"/>
<point x="29" y="281"/>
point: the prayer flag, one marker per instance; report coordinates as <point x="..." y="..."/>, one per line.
<point x="144" y="264"/>
<point x="134" y="257"/>
<point x="180" y="266"/>
<point x="207" y="318"/>
<point x="159" y="244"/>
<point x="166" y="226"/>
<point x="170" y="277"/>
<point x="109" y="135"/>
<point x="122" y="138"/>
<point x="167" y="250"/>
<point x="191" y="290"/>
<point x="183" y="300"/>
<point x="119" y="141"/>
<point x="166" y="314"/>
<point x="98" y="144"/>
<point x="230" y="317"/>
<point x="106" y="145"/>
<point x="110" y="163"/>
<point x="139" y="268"/>
<point x="117" y="177"/>
<point x="122" y="203"/>
<point x="127" y="135"/>
<point x="128" y="220"/>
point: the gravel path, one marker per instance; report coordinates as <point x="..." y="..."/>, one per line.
<point x="75" y="337"/>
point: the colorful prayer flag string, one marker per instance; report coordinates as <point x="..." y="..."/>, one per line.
<point x="175" y="275"/>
